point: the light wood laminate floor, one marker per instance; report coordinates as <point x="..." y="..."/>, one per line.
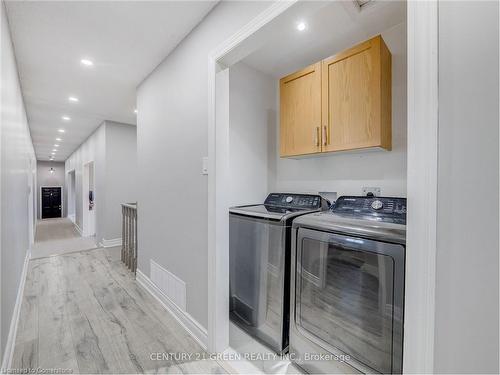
<point x="55" y="229"/>
<point x="85" y="312"/>
<point x="59" y="236"/>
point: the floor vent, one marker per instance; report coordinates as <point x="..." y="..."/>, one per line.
<point x="173" y="287"/>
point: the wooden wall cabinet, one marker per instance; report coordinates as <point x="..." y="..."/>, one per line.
<point x="341" y="103"/>
<point x="300" y="112"/>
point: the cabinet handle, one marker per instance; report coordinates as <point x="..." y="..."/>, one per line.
<point x="316" y="136"/>
<point x="325" y="136"/>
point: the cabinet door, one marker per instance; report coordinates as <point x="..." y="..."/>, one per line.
<point x="300" y="112"/>
<point x="356" y="98"/>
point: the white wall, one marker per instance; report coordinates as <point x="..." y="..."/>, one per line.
<point x="17" y="173"/>
<point x="121" y="174"/>
<point x="466" y="336"/>
<point x="348" y="172"/>
<point x="112" y="147"/>
<point x="172" y="139"/>
<point x="93" y="149"/>
<point x="45" y="178"/>
<point x="252" y="125"/>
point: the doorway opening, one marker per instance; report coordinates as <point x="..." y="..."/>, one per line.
<point x="88" y="199"/>
<point x="71" y="196"/>
<point x="248" y="45"/>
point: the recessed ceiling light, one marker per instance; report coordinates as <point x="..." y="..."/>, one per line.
<point x="66" y="118"/>
<point x="73" y="99"/>
<point x="61" y="130"/>
<point x="301" y="26"/>
<point x="58" y="139"/>
<point x="54" y="150"/>
<point x="56" y="145"/>
<point x="135" y="111"/>
<point x="86" y="62"/>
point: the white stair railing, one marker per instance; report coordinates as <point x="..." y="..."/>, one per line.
<point x="129" y="235"/>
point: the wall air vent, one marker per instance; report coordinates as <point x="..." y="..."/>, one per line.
<point x="171" y="286"/>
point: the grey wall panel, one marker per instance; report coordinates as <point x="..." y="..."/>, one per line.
<point x="121" y="174"/>
<point x="466" y="336"/>
<point x="17" y="170"/>
<point x="172" y="138"/>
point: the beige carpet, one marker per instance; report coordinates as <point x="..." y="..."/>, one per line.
<point x="59" y="236"/>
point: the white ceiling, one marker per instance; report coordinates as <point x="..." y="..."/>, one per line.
<point x="125" y="40"/>
<point x="330" y="27"/>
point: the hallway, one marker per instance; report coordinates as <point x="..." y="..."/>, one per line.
<point x="85" y="312"/>
<point x="58" y="236"/>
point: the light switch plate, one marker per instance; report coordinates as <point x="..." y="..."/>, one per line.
<point x="204" y="165"/>
<point x="374" y="190"/>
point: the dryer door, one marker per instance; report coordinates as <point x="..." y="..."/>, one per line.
<point x="349" y="297"/>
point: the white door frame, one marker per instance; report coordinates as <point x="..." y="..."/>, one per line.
<point x="62" y="198"/>
<point x="421" y="181"/>
<point x="218" y="266"/>
<point x="422" y="166"/>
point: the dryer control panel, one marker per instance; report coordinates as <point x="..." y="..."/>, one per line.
<point x="379" y="208"/>
<point x="298" y="201"/>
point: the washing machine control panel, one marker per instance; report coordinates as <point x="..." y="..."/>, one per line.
<point x="297" y="201"/>
<point x="379" y="208"/>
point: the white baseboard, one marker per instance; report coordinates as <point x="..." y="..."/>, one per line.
<point x="80" y="232"/>
<point x="111" y="243"/>
<point x="72" y="217"/>
<point x="195" y="329"/>
<point x="11" y="339"/>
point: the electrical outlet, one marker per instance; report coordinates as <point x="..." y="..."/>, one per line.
<point x="374" y="190"/>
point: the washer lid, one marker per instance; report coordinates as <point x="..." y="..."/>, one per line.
<point x="267" y="211"/>
<point x="361" y="227"/>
